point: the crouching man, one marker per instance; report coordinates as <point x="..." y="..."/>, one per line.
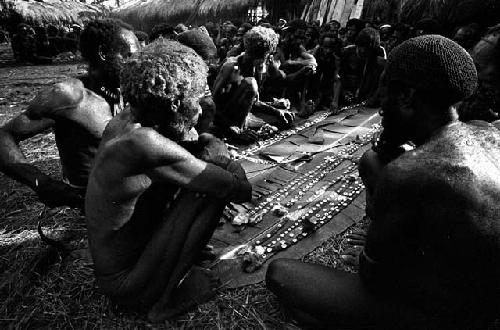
<point x="151" y="205"/>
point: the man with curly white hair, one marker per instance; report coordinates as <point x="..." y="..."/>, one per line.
<point x="152" y="205"/>
<point x="236" y="89"/>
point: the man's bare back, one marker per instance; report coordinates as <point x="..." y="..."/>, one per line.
<point x="436" y="208"/>
<point x="78" y="117"/>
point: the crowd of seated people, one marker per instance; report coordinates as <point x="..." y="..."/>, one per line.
<point x="40" y="44"/>
<point x="141" y="145"/>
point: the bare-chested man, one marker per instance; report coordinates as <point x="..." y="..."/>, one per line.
<point x="239" y="83"/>
<point x="432" y="249"/>
<point x="151" y="205"/>
<point x="77" y="111"/>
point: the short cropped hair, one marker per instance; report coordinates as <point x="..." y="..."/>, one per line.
<point x="102" y="33"/>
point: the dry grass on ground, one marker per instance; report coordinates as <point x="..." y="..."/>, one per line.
<point x="64" y="294"/>
<point x="38" y="290"/>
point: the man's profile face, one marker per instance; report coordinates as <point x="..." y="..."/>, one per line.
<point x="385" y="34"/>
<point x="487" y="96"/>
<point x="114" y="62"/>
<point x="298" y="38"/>
<point x="397" y="113"/>
<point x="351" y="33"/>
<point x="483" y="55"/>
<point x="328" y="46"/>
<point x="461" y="37"/>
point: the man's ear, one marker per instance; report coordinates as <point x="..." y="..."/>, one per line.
<point x="101" y="53"/>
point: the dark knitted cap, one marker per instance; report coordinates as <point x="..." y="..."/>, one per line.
<point x="200" y="42"/>
<point x="433" y="64"/>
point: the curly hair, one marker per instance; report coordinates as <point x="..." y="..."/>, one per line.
<point x="162" y="76"/>
<point x="260" y="41"/>
<point x="102" y="33"/>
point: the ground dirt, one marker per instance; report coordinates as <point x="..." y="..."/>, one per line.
<point x="39" y="290"/>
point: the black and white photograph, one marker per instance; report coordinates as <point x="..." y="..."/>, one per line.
<point x="250" y="164"/>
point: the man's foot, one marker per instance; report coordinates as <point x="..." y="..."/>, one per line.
<point x="199" y="286"/>
<point x="351" y="256"/>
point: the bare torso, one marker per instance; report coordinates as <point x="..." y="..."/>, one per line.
<point x="78" y="117"/>
<point x="435" y="235"/>
<point x="136" y="175"/>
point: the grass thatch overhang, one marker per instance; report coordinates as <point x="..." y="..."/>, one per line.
<point x="144" y="14"/>
<point x="450" y="13"/>
<point x="41" y="12"/>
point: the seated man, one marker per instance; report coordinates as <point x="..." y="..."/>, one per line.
<point x="432" y="250"/>
<point x="236" y="89"/>
<point x="361" y="68"/>
<point x="77" y="110"/>
<point x="24" y="44"/>
<point x="297" y="63"/>
<point x="204" y="46"/>
<point x="325" y="86"/>
<point x="151" y="205"/>
<point x="485" y="103"/>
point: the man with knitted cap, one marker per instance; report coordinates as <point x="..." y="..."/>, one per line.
<point x="157" y="191"/>
<point x="432" y="248"/>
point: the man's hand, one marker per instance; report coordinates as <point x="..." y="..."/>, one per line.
<point x="244" y="135"/>
<point x="286" y="116"/>
<point x="213" y="149"/>
<point x="56" y="193"/>
<point x="236" y="169"/>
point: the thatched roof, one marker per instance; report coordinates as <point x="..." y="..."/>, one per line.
<point x="144" y="14"/>
<point x="46" y="11"/>
<point x="327" y="10"/>
<point x="449" y="13"/>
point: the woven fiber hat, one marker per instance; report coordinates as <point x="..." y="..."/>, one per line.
<point x="433" y="64"/>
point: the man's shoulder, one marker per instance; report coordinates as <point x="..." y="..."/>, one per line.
<point x="134" y="140"/>
<point x="456" y="157"/>
<point x="70" y="90"/>
<point x="63" y="95"/>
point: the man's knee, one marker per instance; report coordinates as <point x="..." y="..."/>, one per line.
<point x="369" y="167"/>
<point x="277" y="273"/>
<point x="250" y="85"/>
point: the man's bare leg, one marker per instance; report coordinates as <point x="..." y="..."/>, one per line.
<point x="170" y="252"/>
<point x="323" y="298"/>
<point x="199" y="285"/>
<point x="370" y="166"/>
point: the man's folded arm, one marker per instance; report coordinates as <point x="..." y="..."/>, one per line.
<point x="169" y="162"/>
